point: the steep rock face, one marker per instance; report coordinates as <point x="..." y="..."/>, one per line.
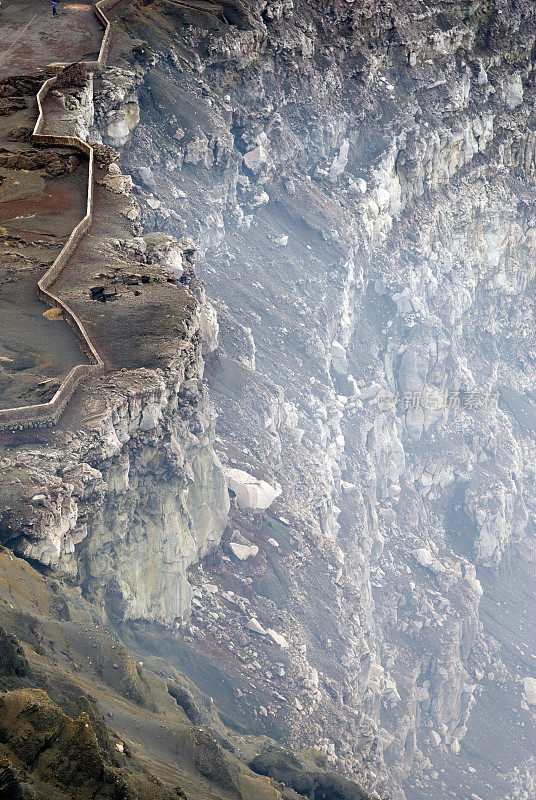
<point x="166" y="503"/>
<point x="128" y="492"/>
<point x="358" y="180"/>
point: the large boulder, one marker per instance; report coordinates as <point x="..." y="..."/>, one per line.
<point x="252" y="494"/>
<point x="529" y="691"/>
<point x="243" y="551"/>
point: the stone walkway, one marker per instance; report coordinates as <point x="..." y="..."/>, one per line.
<point x="135" y="315"/>
<point x="42" y="197"/>
<point x="30" y="38"/>
<point x="36" y="353"/>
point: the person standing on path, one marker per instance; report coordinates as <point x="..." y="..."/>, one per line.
<point x="54" y="12"/>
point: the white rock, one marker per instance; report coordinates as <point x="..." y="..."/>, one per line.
<point x="513" y="91"/>
<point x="370" y="392"/>
<point x="437" y="567"/>
<point x="251" y="494"/>
<point x="256" y="627"/>
<point x="338" y="358"/>
<point x="435" y="738"/>
<point x="260" y="199"/>
<point x="146" y="177"/>
<point x="358" y="187"/>
<point x="381" y="197"/>
<point x="118" y="130"/>
<point x="424" y="557"/>
<point x="426" y="479"/>
<point x="340" y="161"/>
<point x="208" y="323"/>
<point x="278" y="638"/>
<point x="254" y="159"/>
<point x="529" y="691"/>
<point x="273" y="542"/>
<point x="172" y="258"/>
<point x="243" y="551"/>
<point x="390" y="691"/>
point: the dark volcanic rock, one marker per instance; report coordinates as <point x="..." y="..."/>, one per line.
<point x="13" y="659"/>
<point x="312" y="782"/>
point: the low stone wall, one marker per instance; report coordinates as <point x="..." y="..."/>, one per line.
<point x="46" y="414"/>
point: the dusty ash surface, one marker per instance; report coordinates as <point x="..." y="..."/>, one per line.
<point x="358" y="182"/>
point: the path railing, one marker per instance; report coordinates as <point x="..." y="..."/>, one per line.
<point x="47" y="414"/>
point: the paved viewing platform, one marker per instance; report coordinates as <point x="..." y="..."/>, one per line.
<point x="30" y="38"/>
<point x="43" y="197"/>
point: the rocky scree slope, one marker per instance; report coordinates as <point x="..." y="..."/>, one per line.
<point x="359" y="181"/>
<point x="82" y="717"/>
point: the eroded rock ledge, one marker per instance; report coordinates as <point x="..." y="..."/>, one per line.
<point x="130" y="476"/>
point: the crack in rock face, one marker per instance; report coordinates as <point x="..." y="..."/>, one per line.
<point x="328" y="486"/>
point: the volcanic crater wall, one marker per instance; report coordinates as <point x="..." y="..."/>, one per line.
<point x="358" y="179"/>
